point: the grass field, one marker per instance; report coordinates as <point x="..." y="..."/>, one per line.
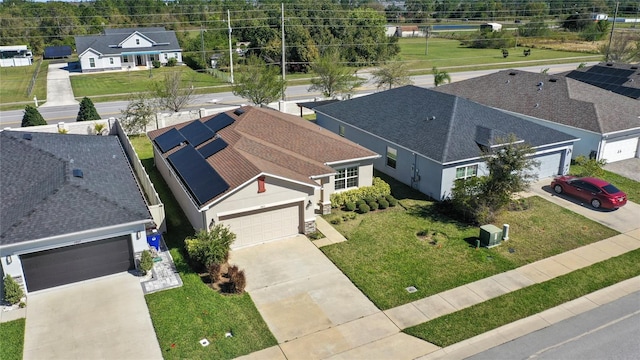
<point x="12" y="339"/>
<point x="15" y="82"/>
<point x="183" y="316"/>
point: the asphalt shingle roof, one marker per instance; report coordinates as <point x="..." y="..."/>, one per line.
<point x="559" y="99"/>
<point x="41" y="198"/>
<point x="103" y="43"/>
<point x="442" y="127"/>
<point x="262" y="140"/>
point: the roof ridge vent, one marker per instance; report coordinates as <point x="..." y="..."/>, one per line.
<point x="609" y="64"/>
<point x="513" y="73"/>
<point x="238" y="111"/>
<point x="634" y="68"/>
<point x="78" y="173"/>
<point x="27" y="136"/>
<point x="553" y="80"/>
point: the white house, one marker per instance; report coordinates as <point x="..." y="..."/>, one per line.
<point x="120" y="49"/>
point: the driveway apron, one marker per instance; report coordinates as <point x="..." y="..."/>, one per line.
<point x="311" y="307"/>
<point x="59" y="91"/>
<point x="105" y="318"/>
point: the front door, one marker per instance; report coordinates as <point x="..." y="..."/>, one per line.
<point x="140" y="60"/>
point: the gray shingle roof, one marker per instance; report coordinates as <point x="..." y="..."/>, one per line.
<point x="40" y="197"/>
<point x="101" y="43"/>
<point x="440" y="126"/>
<point x="559" y="99"/>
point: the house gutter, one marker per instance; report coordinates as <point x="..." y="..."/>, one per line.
<point x="331" y="163"/>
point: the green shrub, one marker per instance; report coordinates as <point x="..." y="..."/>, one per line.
<point x="336" y="221"/>
<point x="156" y="64"/>
<point x="349" y="216"/>
<point x="383" y="203"/>
<point x="146" y="261"/>
<point x="350" y="205"/>
<point x="379" y="188"/>
<point x="392" y="201"/>
<point x="209" y="247"/>
<point x="12" y="290"/>
<point x="315" y="235"/>
<point x="373" y="205"/>
<point x="363" y="208"/>
<point x="590" y="167"/>
<point x="369" y="199"/>
<point x="172" y="62"/>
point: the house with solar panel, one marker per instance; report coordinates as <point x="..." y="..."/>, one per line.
<point x="604" y="117"/>
<point x="122" y="49"/>
<point x="263" y="173"/>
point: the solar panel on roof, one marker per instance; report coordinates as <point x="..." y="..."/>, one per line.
<point x="212" y="147"/>
<point x="169" y="140"/>
<point x="203" y="182"/>
<point x="219" y="122"/>
<point x="196" y="133"/>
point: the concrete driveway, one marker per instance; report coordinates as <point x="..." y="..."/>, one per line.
<point x="312" y="308"/>
<point x="629" y="168"/>
<point x="623" y="220"/>
<point x="106" y="318"/>
<point x="59" y="91"/>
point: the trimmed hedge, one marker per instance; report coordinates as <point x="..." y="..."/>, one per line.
<point x="349" y="205"/>
<point x="373" y="205"/>
<point x="378" y="189"/>
<point x="363" y="208"/>
<point x="383" y="203"/>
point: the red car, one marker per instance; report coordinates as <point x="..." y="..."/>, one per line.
<point x="597" y="192"/>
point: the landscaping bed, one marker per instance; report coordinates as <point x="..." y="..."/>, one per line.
<point x="385" y="253"/>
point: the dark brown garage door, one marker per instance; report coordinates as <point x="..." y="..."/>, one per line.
<point x="70" y="264"/>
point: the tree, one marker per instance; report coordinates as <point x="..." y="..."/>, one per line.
<point x="87" y="111"/>
<point x="624" y="48"/>
<point x="333" y="78"/>
<point x="210" y="247"/>
<point x="595" y="31"/>
<point x="170" y="94"/>
<point x="392" y="74"/>
<point x="439" y="77"/>
<point x="32" y="117"/>
<point x="258" y="82"/>
<point x="12" y="291"/>
<point x="138" y="114"/>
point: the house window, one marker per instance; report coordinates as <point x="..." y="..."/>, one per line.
<point x="137" y="41"/>
<point x="92" y="62"/>
<point x="392" y="156"/>
<point x="346" y="178"/>
<point x="125" y="59"/>
<point x="111" y="61"/>
<point x="261" y="187"/>
<point x="341" y="130"/>
<point x="175" y="55"/>
<point x="466" y="171"/>
<point x="166" y="56"/>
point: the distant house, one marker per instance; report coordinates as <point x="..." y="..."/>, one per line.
<point x="17" y="55"/>
<point x="263" y="173"/>
<point x="57" y="52"/>
<point x="606" y="123"/>
<point x="430" y="139"/>
<point x="409" y="31"/>
<point x="120" y="49"/>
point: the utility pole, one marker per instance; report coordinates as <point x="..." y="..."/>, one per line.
<point x="635" y="21"/>
<point x="613" y="26"/>
<point x="204" y="63"/>
<point x="283" y="47"/>
<point x="230" y="50"/>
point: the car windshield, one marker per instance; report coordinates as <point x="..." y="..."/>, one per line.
<point x="610" y="189"/>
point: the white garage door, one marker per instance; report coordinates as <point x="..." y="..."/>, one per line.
<point x="549" y="164"/>
<point x="620" y="150"/>
<point x="255" y="227"/>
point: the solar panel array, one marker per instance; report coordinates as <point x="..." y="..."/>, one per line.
<point x="203" y="182"/>
<point x="219" y="122"/>
<point x="608" y="78"/>
<point x="212" y="147"/>
<point x="197" y="133"/>
<point x="169" y="140"/>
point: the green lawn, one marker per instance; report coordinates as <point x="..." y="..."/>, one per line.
<point x="12" y="339"/>
<point x="124" y="82"/>
<point x="631" y="187"/>
<point x="446" y="53"/>
<point x="491" y="314"/>
<point x="384" y="256"/>
<point x="183" y="316"/>
<point x="15" y="82"/>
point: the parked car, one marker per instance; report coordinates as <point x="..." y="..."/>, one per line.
<point x="597" y="192"/>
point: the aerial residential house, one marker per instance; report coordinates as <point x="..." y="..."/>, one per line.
<point x="17" y="55"/>
<point x="606" y="122"/>
<point x="430" y="139"/>
<point x="121" y="49"/>
<point x="263" y="173"/>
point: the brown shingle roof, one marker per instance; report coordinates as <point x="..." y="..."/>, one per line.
<point x="559" y="99"/>
<point x="266" y="141"/>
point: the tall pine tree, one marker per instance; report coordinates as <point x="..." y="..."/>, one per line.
<point x="87" y="111"/>
<point x="32" y="117"/>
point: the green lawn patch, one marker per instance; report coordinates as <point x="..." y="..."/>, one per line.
<point x="183" y="316"/>
<point x="15" y="82"/>
<point x="384" y="255"/>
<point x="124" y="82"/>
<point x="12" y="339"/>
<point x="491" y="314"/>
<point x="631" y="187"/>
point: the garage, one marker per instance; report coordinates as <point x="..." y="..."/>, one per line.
<point x="549" y="164"/>
<point x="262" y="225"/>
<point x="69" y="264"/>
<point x="620" y="150"/>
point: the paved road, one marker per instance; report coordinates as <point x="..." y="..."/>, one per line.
<point x="55" y="114"/>
<point x="609" y="331"/>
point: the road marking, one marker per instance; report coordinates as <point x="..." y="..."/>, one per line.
<point x="540" y="352"/>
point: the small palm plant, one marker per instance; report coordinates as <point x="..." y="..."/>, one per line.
<point x="439" y="77"/>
